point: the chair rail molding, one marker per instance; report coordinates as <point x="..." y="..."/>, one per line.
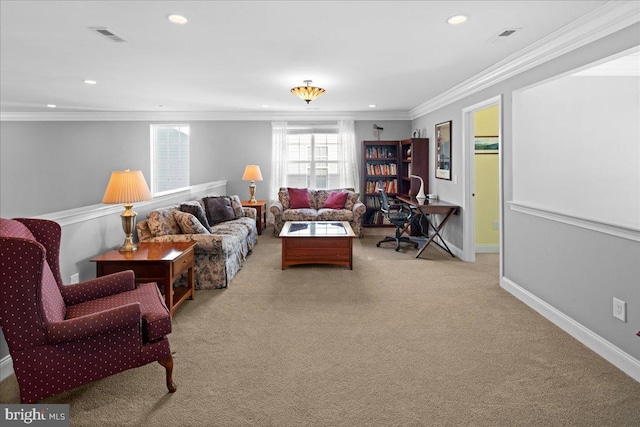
<point x="626" y="232"/>
<point x="87" y="213"/>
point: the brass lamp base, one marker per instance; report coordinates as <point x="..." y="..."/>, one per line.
<point x="252" y="193"/>
<point x="128" y="218"/>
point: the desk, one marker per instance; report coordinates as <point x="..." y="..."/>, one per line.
<point x="432" y="208"/>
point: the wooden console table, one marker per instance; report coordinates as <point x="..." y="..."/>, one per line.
<point x="432" y="208"/>
<point x="160" y="262"/>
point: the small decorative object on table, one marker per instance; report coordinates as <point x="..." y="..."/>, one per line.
<point x="420" y="197"/>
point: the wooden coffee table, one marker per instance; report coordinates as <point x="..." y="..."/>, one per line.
<point x="160" y="262"/>
<point x="317" y="242"/>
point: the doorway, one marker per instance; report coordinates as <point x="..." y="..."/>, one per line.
<point x="482" y="216"/>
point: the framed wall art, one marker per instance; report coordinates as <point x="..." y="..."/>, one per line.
<point x="486" y="144"/>
<point x="443" y="150"/>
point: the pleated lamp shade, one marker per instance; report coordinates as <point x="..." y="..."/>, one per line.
<point x="126" y="187"/>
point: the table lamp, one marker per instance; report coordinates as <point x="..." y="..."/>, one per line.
<point x="252" y="173"/>
<point x="127" y="187"/>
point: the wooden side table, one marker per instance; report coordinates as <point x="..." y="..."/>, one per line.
<point x="160" y="262"/>
<point x="261" y="212"/>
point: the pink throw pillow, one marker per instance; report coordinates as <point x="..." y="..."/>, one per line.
<point x="336" y="200"/>
<point x="299" y="198"/>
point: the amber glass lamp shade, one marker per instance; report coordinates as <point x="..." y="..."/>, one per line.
<point x="307" y="93"/>
<point x="127" y="187"/>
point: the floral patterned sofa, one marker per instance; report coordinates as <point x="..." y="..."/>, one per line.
<point x="352" y="211"/>
<point x="222" y="245"/>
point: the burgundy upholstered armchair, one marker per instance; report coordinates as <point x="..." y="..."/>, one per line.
<point x="62" y="336"/>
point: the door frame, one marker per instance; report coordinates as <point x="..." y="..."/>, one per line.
<point x="468" y="185"/>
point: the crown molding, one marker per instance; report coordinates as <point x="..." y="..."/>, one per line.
<point x="603" y="21"/>
<point x="199" y="115"/>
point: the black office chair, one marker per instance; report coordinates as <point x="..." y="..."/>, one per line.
<point x="398" y="215"/>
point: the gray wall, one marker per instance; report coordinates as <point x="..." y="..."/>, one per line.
<point x="574" y="270"/>
<point x="53" y="166"/>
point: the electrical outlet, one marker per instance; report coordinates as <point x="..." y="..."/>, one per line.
<point x="620" y="309"/>
<point x="496" y="224"/>
<point x="75" y="278"/>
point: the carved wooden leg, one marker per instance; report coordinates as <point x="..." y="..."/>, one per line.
<point x="167" y="362"/>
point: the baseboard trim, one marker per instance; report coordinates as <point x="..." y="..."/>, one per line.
<point x="6" y="367"/>
<point x="614" y="355"/>
<point x="488" y="249"/>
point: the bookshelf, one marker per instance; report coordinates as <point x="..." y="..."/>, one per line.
<point x="379" y="170"/>
<point x="414" y="159"/>
<point x="388" y="165"/>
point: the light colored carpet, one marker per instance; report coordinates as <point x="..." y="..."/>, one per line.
<point x="397" y="341"/>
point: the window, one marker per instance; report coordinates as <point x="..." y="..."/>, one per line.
<point x="312" y="158"/>
<point x="169" y="157"/>
<point x="319" y="156"/>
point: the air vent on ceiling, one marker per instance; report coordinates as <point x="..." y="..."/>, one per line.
<point x="503" y="35"/>
<point x="104" y="31"/>
<point x="506" y="33"/>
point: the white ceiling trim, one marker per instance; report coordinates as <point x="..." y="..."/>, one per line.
<point x="601" y="22"/>
<point x="605" y="20"/>
<point x="195" y="115"/>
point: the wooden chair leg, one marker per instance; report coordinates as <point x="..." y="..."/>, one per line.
<point x="167" y="362"/>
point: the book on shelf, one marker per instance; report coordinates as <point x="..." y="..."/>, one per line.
<point x="381" y="169"/>
<point x="388" y="185"/>
<point x="380" y="153"/>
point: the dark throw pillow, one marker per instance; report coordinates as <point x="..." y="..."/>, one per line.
<point x="336" y="200"/>
<point x="299" y="198"/>
<point x="195" y="209"/>
<point x="189" y="224"/>
<point x="218" y="209"/>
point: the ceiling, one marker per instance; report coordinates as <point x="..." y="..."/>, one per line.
<point x="241" y="56"/>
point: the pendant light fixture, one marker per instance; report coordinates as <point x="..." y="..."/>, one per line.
<point x="307" y="93"/>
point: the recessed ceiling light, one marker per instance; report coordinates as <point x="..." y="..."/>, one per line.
<point x="455" y="20"/>
<point x="177" y="19"/>
<point x="265" y="105"/>
<point x="372" y="105"/>
<point x="51" y="105"/>
<point x="90" y="82"/>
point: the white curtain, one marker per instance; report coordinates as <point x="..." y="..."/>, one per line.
<point x="348" y="168"/>
<point x="278" y="157"/>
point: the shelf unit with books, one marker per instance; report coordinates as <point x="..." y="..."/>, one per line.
<point x="414" y="160"/>
<point x="379" y="170"/>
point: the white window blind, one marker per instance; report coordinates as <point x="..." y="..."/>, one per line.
<point x="169" y="157"/>
<point x="312" y="158"/>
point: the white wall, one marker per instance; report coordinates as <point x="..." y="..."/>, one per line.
<point x="576" y="147"/>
